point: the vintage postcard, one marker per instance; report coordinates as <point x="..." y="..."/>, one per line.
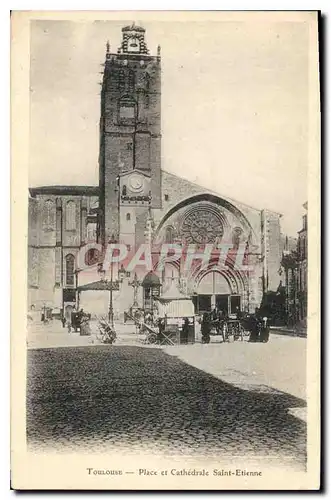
<point x="165" y="250"/>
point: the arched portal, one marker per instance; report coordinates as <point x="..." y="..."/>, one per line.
<point x="218" y="211"/>
<point x="206" y="219"/>
<point x="218" y="289"/>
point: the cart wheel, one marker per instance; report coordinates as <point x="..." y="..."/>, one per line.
<point x="152" y="338"/>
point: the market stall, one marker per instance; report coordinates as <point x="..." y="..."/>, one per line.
<point x="176" y="317"/>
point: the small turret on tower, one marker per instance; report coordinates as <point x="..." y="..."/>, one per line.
<point x="107" y="50"/>
<point x="133" y="40"/>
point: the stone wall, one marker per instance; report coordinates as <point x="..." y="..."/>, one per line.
<point x="271" y="248"/>
<point x="176" y="189"/>
<point x="126" y="141"/>
<point x="50" y="239"/>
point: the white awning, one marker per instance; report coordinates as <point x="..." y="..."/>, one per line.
<point x="174" y="304"/>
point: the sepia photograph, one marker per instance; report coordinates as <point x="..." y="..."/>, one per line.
<point x="171" y="180"/>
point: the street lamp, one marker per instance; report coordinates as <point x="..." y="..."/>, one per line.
<point x="110" y="285"/>
<point x="135" y="283"/>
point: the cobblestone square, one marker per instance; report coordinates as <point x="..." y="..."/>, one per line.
<point x="199" y="401"/>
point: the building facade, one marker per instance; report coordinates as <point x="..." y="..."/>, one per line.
<point x="295" y="266"/>
<point x="303" y="267"/>
<point x="138" y="202"/>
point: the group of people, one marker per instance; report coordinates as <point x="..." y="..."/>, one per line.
<point x="217" y="317"/>
<point x="256" y="324"/>
<point x="79" y="320"/>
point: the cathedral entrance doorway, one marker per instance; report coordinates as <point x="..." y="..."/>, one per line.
<point x="214" y="291"/>
<point x="202" y="303"/>
<point x="222" y="303"/>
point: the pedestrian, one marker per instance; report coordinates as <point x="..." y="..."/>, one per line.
<point x="185" y="331"/>
<point x="205" y="328"/>
<point x="264" y="330"/>
<point x="63" y="320"/>
<point x="238" y="313"/>
<point x="255" y="327"/>
<point x="214" y="314"/>
<point x="85" y="328"/>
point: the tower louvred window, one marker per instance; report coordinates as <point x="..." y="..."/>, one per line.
<point x="121" y="80"/>
<point x="131" y="81"/>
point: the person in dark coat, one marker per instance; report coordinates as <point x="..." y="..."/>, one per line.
<point x="214" y="314"/>
<point x="185" y="331"/>
<point x="238" y="313"/>
<point x="253" y="326"/>
<point x="264" y="329"/>
<point x="205" y="328"/>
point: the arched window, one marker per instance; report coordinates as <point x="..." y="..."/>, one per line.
<point x="128" y="216"/>
<point x="48" y="221"/>
<point x="71" y="215"/>
<point x="169" y="235"/>
<point x="70" y="270"/>
<point x="131" y="81"/>
<point x="121" y="80"/>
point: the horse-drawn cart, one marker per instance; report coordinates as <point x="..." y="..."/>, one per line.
<point x="229" y="329"/>
<point x="248" y="327"/>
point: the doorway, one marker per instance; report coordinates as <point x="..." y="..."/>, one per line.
<point x="202" y="303"/>
<point x="235" y="304"/>
<point x="222" y="303"/>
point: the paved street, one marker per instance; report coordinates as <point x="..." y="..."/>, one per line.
<point x="212" y="400"/>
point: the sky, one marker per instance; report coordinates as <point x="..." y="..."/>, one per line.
<point x="234" y="106"/>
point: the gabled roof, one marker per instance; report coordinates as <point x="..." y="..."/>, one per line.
<point x="218" y="194"/>
<point x="98" y="285"/>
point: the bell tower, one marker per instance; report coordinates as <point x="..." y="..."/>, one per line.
<point x="130" y="135"/>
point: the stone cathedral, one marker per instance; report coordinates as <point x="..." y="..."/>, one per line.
<point x="138" y="201"/>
